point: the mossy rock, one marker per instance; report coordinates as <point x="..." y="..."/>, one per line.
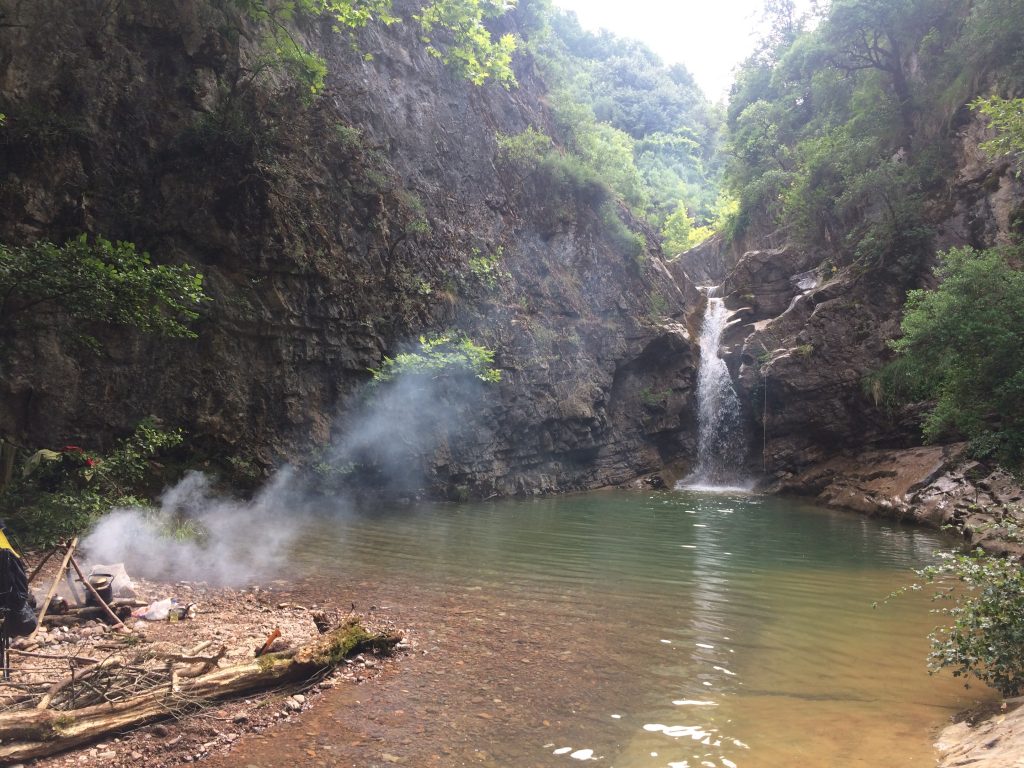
<point x="346" y="640"/>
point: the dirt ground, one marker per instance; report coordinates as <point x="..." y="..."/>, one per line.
<point x="239" y="621"/>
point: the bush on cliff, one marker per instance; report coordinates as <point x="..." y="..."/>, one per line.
<point x="440" y="356"/>
<point x="962" y="348"/>
<point x="59" y="493"/>
<point x="453" y="31"/>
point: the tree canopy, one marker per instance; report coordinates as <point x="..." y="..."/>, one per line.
<point x="673" y="128"/>
<point x="838" y="131"/>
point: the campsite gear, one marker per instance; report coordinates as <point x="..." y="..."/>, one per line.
<point x="17" y="617"/>
<point x="103" y="583"/>
<point x="4" y="543"/>
<point x="156" y="611"/>
<point x="120" y="584"/>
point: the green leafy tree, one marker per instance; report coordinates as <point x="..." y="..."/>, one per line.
<point x="962" y="347"/>
<point x="881" y="35"/>
<point x="677" y="230"/>
<point x="96" y="281"/>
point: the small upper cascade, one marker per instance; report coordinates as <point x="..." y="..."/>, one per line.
<point x="721" y="447"/>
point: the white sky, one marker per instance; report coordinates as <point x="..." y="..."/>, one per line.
<point x="709" y="36"/>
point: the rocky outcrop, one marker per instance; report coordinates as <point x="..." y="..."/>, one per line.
<point x="803" y="373"/>
<point x="806" y="335"/>
<point x="330" y="235"/>
<point x="997" y="742"/>
<point x="936" y="486"/>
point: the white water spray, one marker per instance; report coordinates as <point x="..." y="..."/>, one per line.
<point x="721" y="447"/>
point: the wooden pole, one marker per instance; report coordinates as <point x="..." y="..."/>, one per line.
<point x="53" y="587"/>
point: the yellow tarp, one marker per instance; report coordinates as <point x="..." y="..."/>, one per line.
<point x="5" y="544"/>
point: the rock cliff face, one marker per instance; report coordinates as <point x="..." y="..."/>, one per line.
<point x="805" y="335"/>
<point x="329" y="235"/>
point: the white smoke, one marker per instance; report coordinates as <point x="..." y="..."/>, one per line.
<point x="403" y="425"/>
<point x="408" y="422"/>
<point x="240" y="541"/>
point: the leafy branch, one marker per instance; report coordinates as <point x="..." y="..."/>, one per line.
<point x="97" y="281"/>
<point x="440" y="356"/>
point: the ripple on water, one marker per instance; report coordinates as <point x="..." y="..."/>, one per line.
<point x="791" y="585"/>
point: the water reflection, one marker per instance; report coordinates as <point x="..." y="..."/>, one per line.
<point x="668" y="629"/>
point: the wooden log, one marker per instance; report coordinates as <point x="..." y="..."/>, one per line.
<point x="56" y="656"/>
<point x="26" y="735"/>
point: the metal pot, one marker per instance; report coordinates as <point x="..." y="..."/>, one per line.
<point x="103" y="583"/>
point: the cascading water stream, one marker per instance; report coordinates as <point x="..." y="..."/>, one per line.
<point x="721" y="447"/>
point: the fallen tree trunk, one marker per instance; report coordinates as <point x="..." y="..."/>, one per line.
<point x="29" y="734"/>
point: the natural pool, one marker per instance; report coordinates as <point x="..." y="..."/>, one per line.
<point x="670" y="629"/>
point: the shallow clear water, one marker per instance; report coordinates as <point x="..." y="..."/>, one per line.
<point x="671" y="629"/>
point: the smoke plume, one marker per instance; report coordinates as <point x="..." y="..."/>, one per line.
<point x="390" y="443"/>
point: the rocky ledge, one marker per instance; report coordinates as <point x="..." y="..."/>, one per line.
<point x="997" y="742"/>
<point x="937" y="486"/>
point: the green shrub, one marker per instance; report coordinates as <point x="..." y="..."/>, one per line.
<point x="984" y="596"/>
<point x="526" y="149"/>
<point x="962" y="347"/>
<point x="440" y="356"/>
<point x="487" y="268"/>
<point x="60" y="493"/>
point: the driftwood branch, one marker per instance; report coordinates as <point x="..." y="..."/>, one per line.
<point x="29" y="734"/>
<point x="55" y="656"/>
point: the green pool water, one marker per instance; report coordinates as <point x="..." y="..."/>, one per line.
<point x="626" y="629"/>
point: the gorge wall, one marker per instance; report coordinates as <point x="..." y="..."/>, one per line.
<point x="805" y="335"/>
<point x="330" y="234"/>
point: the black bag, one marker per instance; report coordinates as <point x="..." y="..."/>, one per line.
<point x="16" y="602"/>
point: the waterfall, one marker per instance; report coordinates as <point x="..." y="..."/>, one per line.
<point x="721" y="448"/>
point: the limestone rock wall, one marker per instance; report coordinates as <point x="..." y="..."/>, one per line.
<point x="330" y="235"/>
